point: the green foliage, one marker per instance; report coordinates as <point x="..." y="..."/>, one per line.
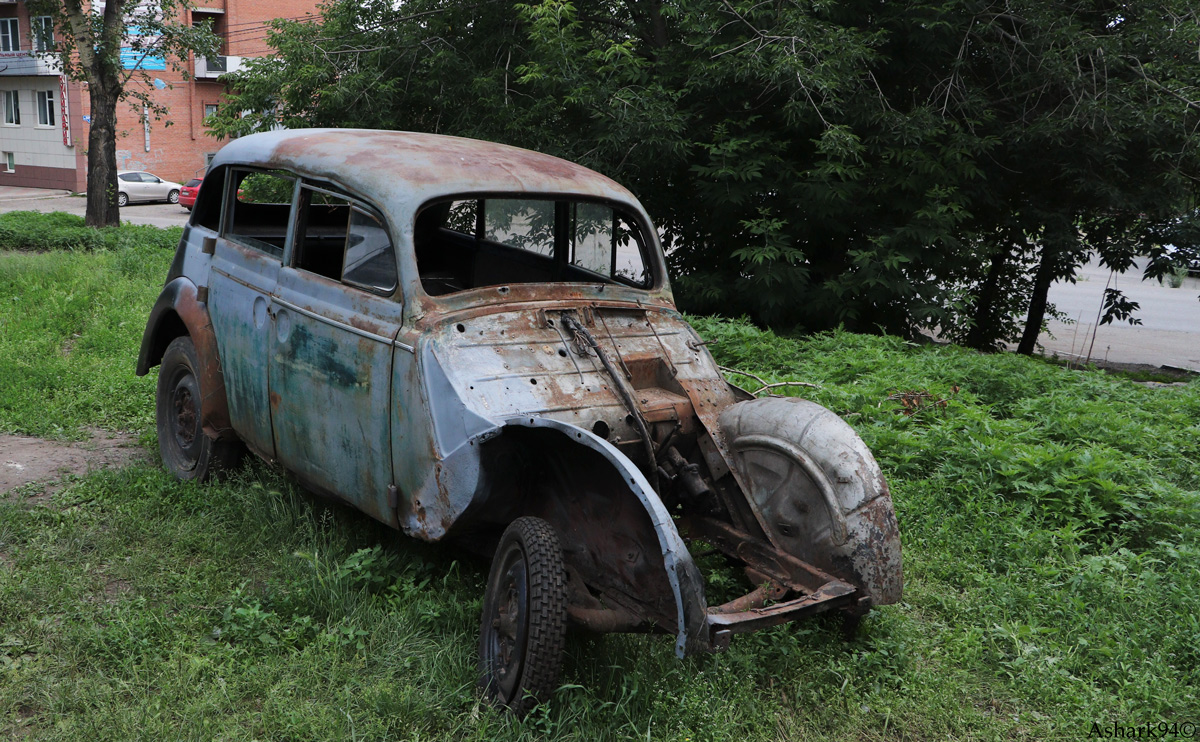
<point x="31" y="230"/>
<point x="902" y="166"/>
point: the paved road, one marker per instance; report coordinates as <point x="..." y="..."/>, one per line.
<point x="34" y="199"/>
<point x="1169" y="333"/>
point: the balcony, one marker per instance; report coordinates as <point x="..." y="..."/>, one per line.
<point x="213" y="67"/>
<point x="25" y="63"/>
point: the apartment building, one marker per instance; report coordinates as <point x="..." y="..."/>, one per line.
<point x="44" y="116"/>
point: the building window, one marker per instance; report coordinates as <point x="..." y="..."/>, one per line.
<point x="12" y="108"/>
<point x="10" y="162"/>
<point x="210" y="109"/>
<point x="43" y="33"/>
<point x="10" y="40"/>
<point x="208" y="158"/>
<point x="45" y="107"/>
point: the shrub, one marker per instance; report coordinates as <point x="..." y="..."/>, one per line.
<point x="34" y="231"/>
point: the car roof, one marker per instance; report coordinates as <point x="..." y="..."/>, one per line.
<point x="402" y="170"/>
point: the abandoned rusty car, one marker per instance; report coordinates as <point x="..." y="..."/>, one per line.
<point x="478" y="343"/>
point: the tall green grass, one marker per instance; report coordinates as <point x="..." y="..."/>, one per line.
<point x="71" y="323"/>
<point x="1048" y="516"/>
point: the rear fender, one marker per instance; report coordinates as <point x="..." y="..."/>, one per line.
<point x="179" y="311"/>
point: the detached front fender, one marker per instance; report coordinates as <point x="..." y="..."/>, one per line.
<point x="684" y="578"/>
<point x="180" y="311"/>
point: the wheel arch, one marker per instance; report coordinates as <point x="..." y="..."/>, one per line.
<point x="616" y="531"/>
<point x="178" y="311"/>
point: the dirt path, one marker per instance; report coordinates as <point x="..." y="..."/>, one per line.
<point x="24" y="460"/>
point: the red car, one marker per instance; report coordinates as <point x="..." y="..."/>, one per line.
<point x="187" y="194"/>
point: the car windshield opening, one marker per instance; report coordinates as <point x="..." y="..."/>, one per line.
<point x="464" y="244"/>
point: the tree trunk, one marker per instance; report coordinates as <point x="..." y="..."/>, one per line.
<point x="1038" y="299"/>
<point x="987" y="329"/>
<point x="102" y="208"/>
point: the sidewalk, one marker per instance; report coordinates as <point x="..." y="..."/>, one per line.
<point x="8" y="194"/>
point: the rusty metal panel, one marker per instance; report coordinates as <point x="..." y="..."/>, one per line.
<point x="240" y="284"/>
<point x="330" y="386"/>
<point x="822" y="495"/>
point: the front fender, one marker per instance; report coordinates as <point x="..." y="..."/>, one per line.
<point x="179" y="311"/>
<point x="684" y="577"/>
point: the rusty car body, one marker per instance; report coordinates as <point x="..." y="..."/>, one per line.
<point x="475" y="342"/>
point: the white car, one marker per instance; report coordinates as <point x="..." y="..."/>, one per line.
<point x="136" y="185"/>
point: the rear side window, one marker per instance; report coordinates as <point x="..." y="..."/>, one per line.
<point x="260" y="210"/>
<point x="370" y="260"/>
<point x="192" y="183"/>
<point x="343" y="241"/>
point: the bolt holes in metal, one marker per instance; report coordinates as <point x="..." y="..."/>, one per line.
<point x="461" y="328"/>
<point x="600" y="428"/>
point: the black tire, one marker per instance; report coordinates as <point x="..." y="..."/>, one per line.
<point x="186" y="451"/>
<point x="122" y="199"/>
<point x="173" y="197"/>
<point x="524" y="622"/>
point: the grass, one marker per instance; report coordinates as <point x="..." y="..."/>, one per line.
<point x="1049" y="521"/>
<point x="71" y="324"/>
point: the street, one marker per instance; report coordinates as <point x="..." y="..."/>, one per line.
<point x="1169" y="334"/>
<point x="35" y="199"/>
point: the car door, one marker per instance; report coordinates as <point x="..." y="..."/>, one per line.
<point x="131" y="183"/>
<point x="154" y="189"/>
<point x="245" y="268"/>
<point x="336" y="316"/>
<point x="142" y="188"/>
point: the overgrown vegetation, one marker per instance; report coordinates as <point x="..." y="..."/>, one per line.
<point x="1049" y="521"/>
<point x="922" y="165"/>
<point x="58" y="230"/>
<point x="71" y="322"/>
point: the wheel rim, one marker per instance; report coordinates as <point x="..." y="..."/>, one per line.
<point x="184" y="417"/>
<point x="173" y="197"/>
<point x="122" y="199"/>
<point x="507" y="626"/>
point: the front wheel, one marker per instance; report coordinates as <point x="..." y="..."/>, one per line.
<point x="173" y="197"/>
<point x="186" y="451"/>
<point x="122" y="199"/>
<point x="524" y="620"/>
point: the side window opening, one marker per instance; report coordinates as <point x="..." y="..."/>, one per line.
<point x="321" y="233"/>
<point x="260" y="210"/>
<point x="343" y="241"/>
<point x="370" y="260"/>
<point x="468" y="243"/>
<point x="207" y="210"/>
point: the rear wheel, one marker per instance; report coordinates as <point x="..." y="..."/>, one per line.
<point x="186" y="451"/>
<point x="524" y="620"/>
<point x="173" y="196"/>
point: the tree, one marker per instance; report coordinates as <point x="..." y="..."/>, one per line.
<point x="880" y="166"/>
<point x="106" y="47"/>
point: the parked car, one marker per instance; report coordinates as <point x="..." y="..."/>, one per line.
<point x="188" y="193"/>
<point x="478" y="343"/>
<point x="1186" y="257"/>
<point x="135" y="185"/>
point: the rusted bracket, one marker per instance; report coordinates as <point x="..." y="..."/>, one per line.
<point x="722" y="625"/>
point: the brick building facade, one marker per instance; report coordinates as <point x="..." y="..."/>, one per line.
<point x="44" y="116"/>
